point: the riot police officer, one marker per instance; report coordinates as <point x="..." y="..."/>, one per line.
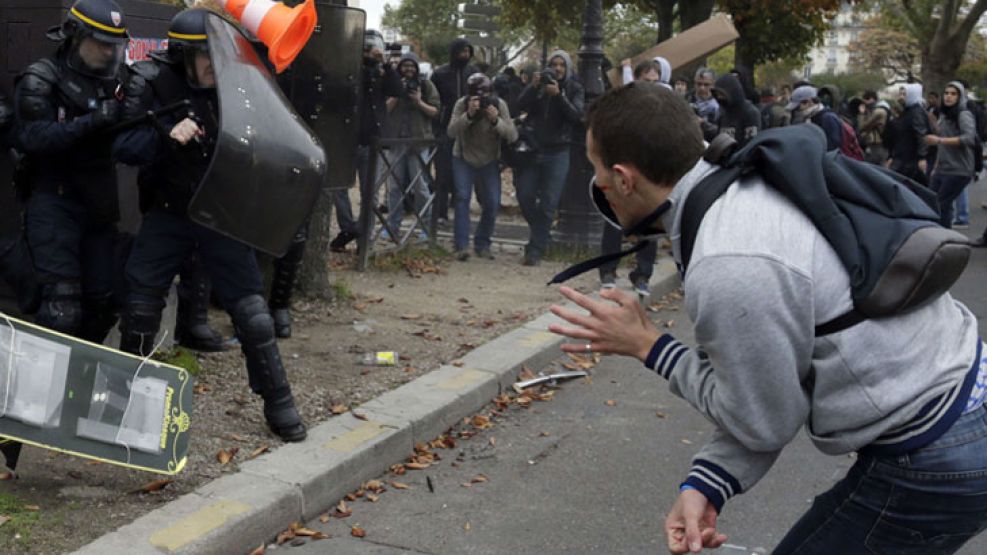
<point x="64" y="105"/>
<point x="175" y="155"/>
<point x="6" y="121"/>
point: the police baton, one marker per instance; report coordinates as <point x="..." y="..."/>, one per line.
<point x="151" y="115"/>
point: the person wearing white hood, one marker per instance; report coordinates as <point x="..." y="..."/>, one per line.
<point x="956" y="139"/>
<point x="664" y="71"/>
<point x="910" y="148"/>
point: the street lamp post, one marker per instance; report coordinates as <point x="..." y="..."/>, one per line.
<point x="579" y="223"/>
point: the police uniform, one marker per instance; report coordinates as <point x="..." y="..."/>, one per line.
<point x="171" y="172"/>
<point x="64" y="108"/>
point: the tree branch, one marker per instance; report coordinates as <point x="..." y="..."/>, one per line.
<point x="949" y="10"/>
<point x="971" y="20"/>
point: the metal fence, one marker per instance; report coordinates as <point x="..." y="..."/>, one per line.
<point x="389" y="162"/>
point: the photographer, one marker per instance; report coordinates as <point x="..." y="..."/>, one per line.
<point x="380" y="82"/>
<point x="553" y="102"/>
<point x="409" y="117"/>
<point x="480" y="121"/>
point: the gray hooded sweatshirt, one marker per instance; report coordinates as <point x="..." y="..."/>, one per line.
<point x="957" y="160"/>
<point x="760" y="280"/>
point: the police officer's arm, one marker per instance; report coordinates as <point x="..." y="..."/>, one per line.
<point x="460" y="119"/>
<point x="39" y="130"/>
<point x="572" y="101"/>
<point x="137" y="146"/>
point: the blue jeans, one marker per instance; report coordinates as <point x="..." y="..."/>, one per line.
<point x="487" y="181"/>
<point x="539" y="188"/>
<point x="948" y="188"/>
<point x="927" y="502"/>
<point x="406" y="165"/>
<point x="612" y="242"/>
<point x="962" y="207"/>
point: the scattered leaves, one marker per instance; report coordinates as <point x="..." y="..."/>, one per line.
<point x="324" y="518"/>
<point x="661" y="415"/>
<point x="339" y="409"/>
<point x="372" y="498"/>
<point x="4" y="519"/>
<point x="8" y="476"/>
<point x="225" y="456"/>
<point x="493" y="442"/>
<point x="236" y="437"/>
<point x="467" y="527"/>
<point x="482" y="422"/>
<point x="398" y="469"/>
<point x="479" y="479"/>
<point x="342" y="510"/>
<point x="399" y="485"/>
<point x="258" y="452"/>
<point x="417" y="466"/>
<point x="358" y="532"/>
<point x="375" y="486"/>
<point x="259" y="550"/>
<point x="360" y="416"/>
<point x="526" y="374"/>
<point x="411" y="316"/>
<point x="201" y="388"/>
<point x="156" y="485"/>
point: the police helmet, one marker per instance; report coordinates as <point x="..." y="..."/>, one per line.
<point x="479" y="84"/>
<point x="97" y="37"/>
<point x="187" y="38"/>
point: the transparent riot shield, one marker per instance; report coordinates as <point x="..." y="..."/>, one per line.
<point x="268" y="166"/>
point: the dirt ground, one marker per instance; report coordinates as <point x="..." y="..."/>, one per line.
<point x="430" y="310"/>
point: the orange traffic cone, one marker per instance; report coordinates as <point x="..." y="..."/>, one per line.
<point x="284" y="30"/>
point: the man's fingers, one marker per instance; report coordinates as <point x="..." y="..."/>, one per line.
<point x="573" y="333"/>
<point x="692" y="536"/>
<point x="580" y="299"/>
<point x="573" y="317"/>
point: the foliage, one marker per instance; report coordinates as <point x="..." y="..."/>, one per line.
<point x="628" y="30"/>
<point x="430" y="22"/>
<point x="22" y="520"/>
<point x="774" y="29"/>
<point x="545" y="19"/>
<point x="851" y="84"/>
<point x="779" y="72"/>
<point x="182" y="358"/>
<point x="722" y="61"/>
<point x="885" y="49"/>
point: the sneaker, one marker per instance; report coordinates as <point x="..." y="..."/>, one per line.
<point x="485" y="253"/>
<point x="339" y="243"/>
<point x="642" y="289"/>
<point x="442" y="223"/>
<point x="961" y="225"/>
<point x="608" y="280"/>
<point x="462" y="255"/>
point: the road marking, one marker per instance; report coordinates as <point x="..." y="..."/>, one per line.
<point x="351" y="440"/>
<point x="462" y="380"/>
<point x="197" y="524"/>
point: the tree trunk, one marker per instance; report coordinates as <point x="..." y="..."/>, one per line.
<point x="940" y="60"/>
<point x="694" y="12"/>
<point x="313" y="280"/>
<point x="665" y="10"/>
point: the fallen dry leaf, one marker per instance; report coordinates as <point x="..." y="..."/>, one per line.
<point x="339" y="409"/>
<point x="479" y="479"/>
<point x="342" y="510"/>
<point x="467" y="527"/>
<point x="374" y="485"/>
<point x="285" y="536"/>
<point x="300" y="530"/>
<point x="660" y="414"/>
<point x="324" y="518"/>
<point x="482" y="422"/>
<point x="670" y="324"/>
<point x="258" y="452"/>
<point x="493" y="442"/>
<point x="411" y="316"/>
<point x="236" y="437"/>
<point x="526" y="374"/>
<point x="360" y="416"/>
<point x="458" y="363"/>
<point x="32" y="508"/>
<point x="258" y="551"/>
<point x="351" y="497"/>
<point x="399" y="485"/>
<point x="6" y="476"/>
<point x="686" y="441"/>
<point x="417" y="466"/>
<point x="358" y="532"/>
<point x="201" y="388"/>
<point x="225" y="456"/>
<point x="372" y="498"/>
<point x="398" y="469"/>
<point x="466" y="484"/>
<point x="611" y="403"/>
<point x="156" y="485"/>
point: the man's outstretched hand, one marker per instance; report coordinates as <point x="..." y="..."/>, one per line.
<point x="619" y="326"/>
<point x="691" y="524"/>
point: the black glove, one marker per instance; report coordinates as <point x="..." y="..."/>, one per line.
<point x="106" y="113"/>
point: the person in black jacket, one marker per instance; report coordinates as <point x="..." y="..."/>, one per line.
<point x="64" y="106"/>
<point x="172" y="167"/>
<point x="380" y="82"/>
<point x="553" y="107"/>
<point x="738" y="117"/>
<point x="450" y="79"/>
<point x="806" y="107"/>
<point x="909" y="155"/>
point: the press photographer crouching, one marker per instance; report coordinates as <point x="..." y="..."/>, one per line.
<point x="409" y="117"/>
<point x="554" y="103"/>
<point x="480" y="121"/>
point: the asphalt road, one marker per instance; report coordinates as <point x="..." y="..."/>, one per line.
<point x="579" y="475"/>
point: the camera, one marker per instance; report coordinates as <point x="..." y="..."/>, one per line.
<point x="489" y="100"/>
<point x="412" y="85"/>
<point x="548" y="76"/>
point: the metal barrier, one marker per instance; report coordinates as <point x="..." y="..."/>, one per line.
<point x="392" y="154"/>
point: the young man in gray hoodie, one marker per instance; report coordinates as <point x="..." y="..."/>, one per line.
<point x="955" y="141"/>
<point x="905" y="393"/>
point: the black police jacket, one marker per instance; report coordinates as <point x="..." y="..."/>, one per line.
<point x="553" y="117"/>
<point x="170" y="173"/>
<point x="450" y="79"/>
<point x="69" y="154"/>
<point x="378" y="85"/>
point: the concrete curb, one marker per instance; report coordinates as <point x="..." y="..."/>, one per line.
<point x="236" y="513"/>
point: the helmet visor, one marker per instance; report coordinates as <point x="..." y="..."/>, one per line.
<point x="95" y="57"/>
<point x="198" y="66"/>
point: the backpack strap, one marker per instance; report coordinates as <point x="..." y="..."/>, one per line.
<point x="700" y="199"/>
<point x="840" y="323"/>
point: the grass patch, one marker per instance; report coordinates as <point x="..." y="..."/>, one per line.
<point x="421" y="258"/>
<point x="570" y="254"/>
<point x="341" y="290"/>
<point x="182" y="358"/>
<point x="22" y="520"/>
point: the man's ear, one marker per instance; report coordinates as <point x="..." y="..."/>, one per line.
<point x="623" y="179"/>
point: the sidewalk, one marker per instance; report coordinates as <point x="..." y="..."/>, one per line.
<point x="237" y="512"/>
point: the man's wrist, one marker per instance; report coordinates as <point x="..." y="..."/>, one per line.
<point x="647" y="343"/>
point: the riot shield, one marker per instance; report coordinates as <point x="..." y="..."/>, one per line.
<point x="324" y="85"/>
<point x="268" y="166"/>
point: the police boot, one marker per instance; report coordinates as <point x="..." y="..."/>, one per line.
<point x="99" y="315"/>
<point x="138" y="328"/>
<point x="192" y="321"/>
<point x="285" y="277"/>
<point x="255" y="329"/>
<point x="61" y="307"/>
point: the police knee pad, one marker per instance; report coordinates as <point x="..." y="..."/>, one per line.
<point x="139" y="326"/>
<point x="61" y="307"/>
<point x="253" y="321"/>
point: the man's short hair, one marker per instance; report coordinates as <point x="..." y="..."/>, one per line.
<point x="643" y="67"/>
<point x="681" y="79"/>
<point x="648" y="126"/>
<point x="705" y="72"/>
<point x="933" y="94"/>
<point x="870" y="95"/>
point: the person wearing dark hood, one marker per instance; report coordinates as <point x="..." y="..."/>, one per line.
<point x="509" y="86"/>
<point x="450" y="80"/>
<point x="553" y="106"/>
<point x="738" y="117"/>
<point x="910" y="149"/>
<point x="410" y="116"/>
<point x="380" y="82"/>
<point x="746" y="78"/>
<point x="956" y="138"/>
<point x="64" y="105"/>
<point x="807" y="108"/>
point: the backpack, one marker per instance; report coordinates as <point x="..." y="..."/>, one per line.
<point x="849" y="145"/>
<point x="883" y="226"/>
<point x="980" y="120"/>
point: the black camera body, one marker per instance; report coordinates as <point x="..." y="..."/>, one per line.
<point x="412" y="85"/>
<point x="548" y="76"/>
<point x="489" y="100"/>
